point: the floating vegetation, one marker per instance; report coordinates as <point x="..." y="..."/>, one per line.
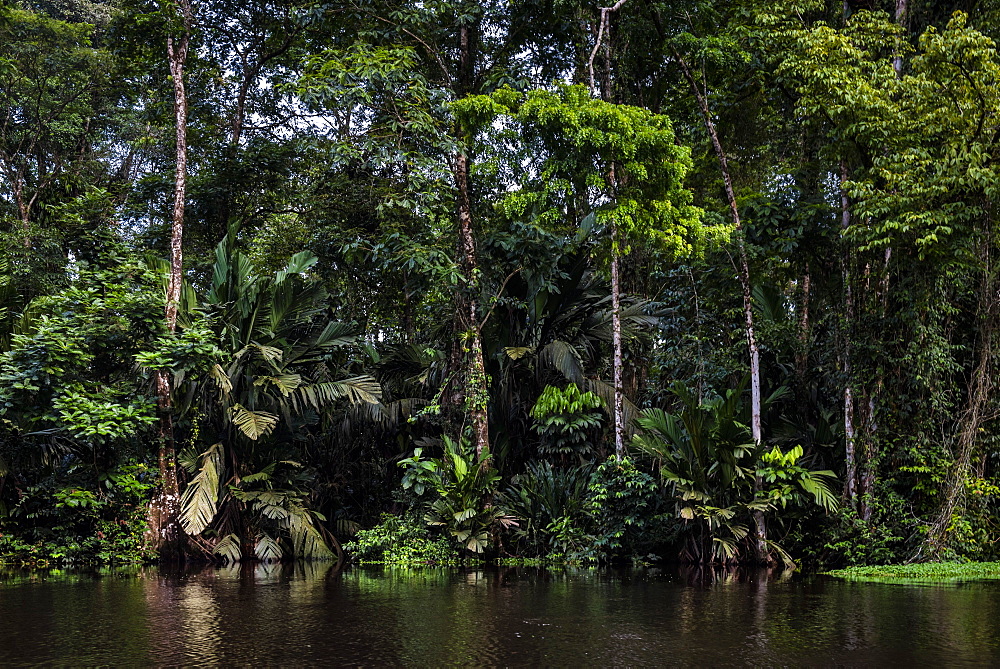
<point x="926" y="572"/>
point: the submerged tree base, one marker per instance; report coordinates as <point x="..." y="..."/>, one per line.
<point x="927" y="572"/>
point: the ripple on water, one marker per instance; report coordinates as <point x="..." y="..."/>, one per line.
<point x="302" y="616"/>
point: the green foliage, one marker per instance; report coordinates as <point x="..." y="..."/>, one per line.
<point x="853" y="541"/>
<point x="69" y="373"/>
<point x="789" y="483"/>
<point x="465" y="483"/>
<point x="922" y="572"/>
<point x="718" y="478"/>
<point x="255" y="366"/>
<point x="565" y="419"/>
<point x="572" y="146"/>
<point x="74" y="516"/>
<point x="623" y="503"/>
<point x="551" y="511"/>
<point x="420" y="475"/>
<point x="57" y="97"/>
<point x="861" y="151"/>
<point x="400" y="540"/>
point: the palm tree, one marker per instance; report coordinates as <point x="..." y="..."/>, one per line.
<point x="272" y="375"/>
<point x="557" y="330"/>
<point x="711" y="464"/>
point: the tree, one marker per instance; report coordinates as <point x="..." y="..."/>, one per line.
<point x="255" y="367"/>
<point x="164" y="528"/>
<point x="617" y="163"/>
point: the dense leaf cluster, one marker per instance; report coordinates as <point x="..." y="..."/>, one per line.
<point x="433" y="250"/>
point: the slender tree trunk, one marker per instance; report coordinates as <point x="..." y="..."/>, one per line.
<point x="743" y="272"/>
<point x="616" y="340"/>
<point x="239" y="114"/>
<point x="476" y="393"/>
<point x="802" y="357"/>
<point x="165" y="532"/>
<point x="617" y="362"/>
<point x="473" y="393"/>
<point x="902" y="15"/>
<point x="177" y="52"/>
<point x="602" y="29"/>
<point x="760" y="527"/>
<point x="850" y="457"/>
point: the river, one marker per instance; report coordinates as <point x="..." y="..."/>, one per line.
<point x="301" y="615"/>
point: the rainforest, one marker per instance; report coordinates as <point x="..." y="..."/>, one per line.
<point x="527" y="281"/>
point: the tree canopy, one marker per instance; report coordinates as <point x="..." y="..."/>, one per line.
<point x="711" y="281"/>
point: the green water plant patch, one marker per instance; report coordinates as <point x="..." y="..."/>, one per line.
<point x="926" y="572"/>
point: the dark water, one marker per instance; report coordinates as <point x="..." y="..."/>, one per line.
<point x="294" y="616"/>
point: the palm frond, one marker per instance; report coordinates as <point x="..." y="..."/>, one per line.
<point x="253" y="424"/>
<point x="516" y="352"/>
<point x="782" y="553"/>
<point x="271" y="504"/>
<point x="336" y="334"/>
<point x="229" y="549"/>
<point x="356" y="389"/>
<point x="565" y="358"/>
<point x="190" y="459"/>
<point x="297" y="264"/>
<point x="819" y="485"/>
<point x="769" y="303"/>
<point x="26" y="323"/>
<point x="221" y="379"/>
<point x="285" y="383"/>
<point x="269" y="353"/>
<point x="267" y="549"/>
<point x="606" y="392"/>
<point x="307" y="542"/>
<point x="199" y="503"/>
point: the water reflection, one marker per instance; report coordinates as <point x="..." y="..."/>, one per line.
<point x="309" y="614"/>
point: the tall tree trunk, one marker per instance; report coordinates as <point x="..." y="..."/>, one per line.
<point x="616" y="341"/>
<point x="802" y="356"/>
<point x="475" y="391"/>
<point x="743" y="273"/>
<point x="165" y="532"/>
<point x="902" y="16"/>
<point x="850" y="456"/>
<point x="603" y="38"/>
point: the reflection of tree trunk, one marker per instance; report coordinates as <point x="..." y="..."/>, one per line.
<point x="164" y="531"/>
<point x="743" y="272"/>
